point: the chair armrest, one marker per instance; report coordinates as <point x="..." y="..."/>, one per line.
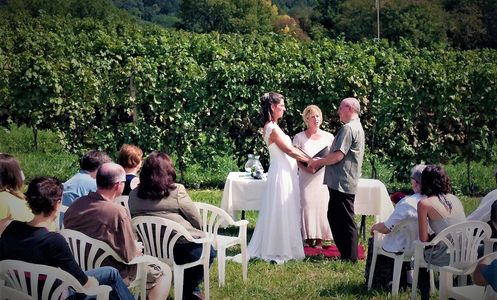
<point x="419" y="247"/>
<point x="241" y="223"/>
<point x="420" y="244"/>
<point x="378" y="239"/>
<point x="203" y="240"/>
<point x="142" y="259"/>
<point x="457" y="271"/>
<point x="489" y="245"/>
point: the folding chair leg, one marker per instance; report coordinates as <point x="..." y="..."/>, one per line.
<point x="371" y="268"/>
<point x="221" y="261"/>
<point x="432" y="282"/>
<point x="206" y="279"/>
<point x="445" y="282"/>
<point x="397" y="269"/>
<point x="414" y="286"/>
<point x="244" y="262"/>
<point x="178" y="283"/>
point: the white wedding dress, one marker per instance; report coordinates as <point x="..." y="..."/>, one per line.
<point x="277" y="236"/>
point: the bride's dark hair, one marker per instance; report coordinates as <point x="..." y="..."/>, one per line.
<point x="266" y="101"/>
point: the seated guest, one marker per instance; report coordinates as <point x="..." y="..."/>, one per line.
<point x="130" y="158"/>
<point x="99" y="217"/>
<point x="486" y="274"/>
<point x="439" y="210"/>
<point x="83" y="182"/>
<point x="493" y="225"/>
<point x="493" y="220"/>
<point x="32" y="242"/>
<point x="405" y="209"/>
<point x="159" y="195"/>
<point x="482" y="212"/>
<point x="12" y="202"/>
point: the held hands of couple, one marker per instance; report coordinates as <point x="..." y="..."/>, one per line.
<point x="314" y="163"/>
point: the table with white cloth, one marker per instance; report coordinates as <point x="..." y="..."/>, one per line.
<point x="242" y="192"/>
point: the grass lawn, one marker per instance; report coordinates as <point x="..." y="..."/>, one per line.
<point x="308" y="279"/>
<point x="312" y="278"/>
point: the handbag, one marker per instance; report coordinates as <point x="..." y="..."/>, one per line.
<point x="153" y="273"/>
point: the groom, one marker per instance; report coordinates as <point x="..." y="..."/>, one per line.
<point x="343" y="169"/>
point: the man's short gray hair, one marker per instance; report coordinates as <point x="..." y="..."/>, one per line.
<point x="354" y="103"/>
<point x="109" y="174"/>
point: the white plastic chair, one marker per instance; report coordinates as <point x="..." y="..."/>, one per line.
<point x="406" y="227"/>
<point x="123" y="201"/>
<point x="45" y="282"/>
<point x="462" y="240"/>
<point x="213" y="217"/>
<point x="159" y="236"/>
<point x="467" y="292"/>
<point x="90" y="253"/>
<point x="58" y="224"/>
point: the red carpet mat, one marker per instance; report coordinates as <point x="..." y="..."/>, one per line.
<point x="330" y="252"/>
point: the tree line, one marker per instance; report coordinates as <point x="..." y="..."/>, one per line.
<point x="463" y="24"/>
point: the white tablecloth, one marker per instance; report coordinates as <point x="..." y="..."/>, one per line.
<point x="241" y="192"/>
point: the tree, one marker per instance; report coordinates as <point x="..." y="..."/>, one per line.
<point x="206" y="15"/>
<point x="326" y="12"/>
<point x="134" y="7"/>
<point x="357" y="20"/>
<point x="466" y="29"/>
<point x="288" y="25"/>
<point x="227" y="16"/>
<point x="472" y="23"/>
<point x="423" y="22"/>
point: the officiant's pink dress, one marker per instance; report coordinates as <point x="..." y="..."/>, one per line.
<point x="277" y="232"/>
<point x="314" y="194"/>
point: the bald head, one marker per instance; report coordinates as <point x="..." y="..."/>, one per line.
<point x="353" y="103"/>
<point x="349" y="109"/>
<point x="109" y="174"/>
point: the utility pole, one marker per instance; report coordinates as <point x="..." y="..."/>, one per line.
<point x="378" y="18"/>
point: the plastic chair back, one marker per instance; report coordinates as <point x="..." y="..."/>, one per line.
<point x="213" y="218"/>
<point x="45" y="282"/>
<point x="159" y="235"/>
<point x="91" y="253"/>
<point x="123" y="201"/>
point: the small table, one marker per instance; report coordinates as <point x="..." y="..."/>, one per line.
<point x="242" y="192"/>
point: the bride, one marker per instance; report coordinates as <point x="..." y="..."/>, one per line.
<point x="277" y="236"/>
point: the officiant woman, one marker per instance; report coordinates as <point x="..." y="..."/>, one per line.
<point x="314" y="194"/>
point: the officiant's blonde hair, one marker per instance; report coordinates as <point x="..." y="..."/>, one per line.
<point x="311" y="109"/>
